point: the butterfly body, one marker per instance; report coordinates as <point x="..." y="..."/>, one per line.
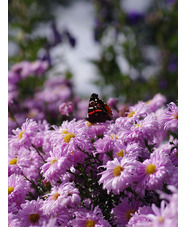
<point x="98" y="111"/>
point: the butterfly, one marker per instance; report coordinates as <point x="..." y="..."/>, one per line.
<point x="98" y="111"/>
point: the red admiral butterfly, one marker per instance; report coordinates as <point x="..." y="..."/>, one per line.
<point x="98" y="111"/>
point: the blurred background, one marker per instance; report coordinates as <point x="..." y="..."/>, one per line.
<point x="63" y="51"/>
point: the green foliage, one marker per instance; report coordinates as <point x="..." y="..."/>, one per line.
<point x="134" y="35"/>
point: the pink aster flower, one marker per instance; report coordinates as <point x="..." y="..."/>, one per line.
<point x="66" y="108"/>
<point x="161" y="216"/>
<point x="142" y="130"/>
<point x="32" y="171"/>
<point x="13" y="221"/>
<point x="172" y="206"/>
<point x="124" y="211"/>
<point x="22" y="136"/>
<point x="18" y="187"/>
<point x="138" y="111"/>
<point x="132" y="151"/>
<point x="153" y="172"/>
<point x="156" y="102"/>
<point x="70" y="194"/>
<point x="65" y="195"/>
<point x="23" y="69"/>
<point x="172" y="117"/>
<point x="118" y="175"/>
<point x="31" y="213"/>
<point x="56" y="90"/>
<point x="39" y="67"/>
<point x="72" y="137"/>
<point x="84" y="218"/>
<point x="18" y="160"/>
<point x="139" y="218"/>
<point x="56" y="165"/>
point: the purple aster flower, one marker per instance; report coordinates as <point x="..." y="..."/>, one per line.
<point x="32" y="171"/>
<point x="13" y="221"/>
<point x="50" y="223"/>
<point x="22" y="137"/>
<point x="118" y="175"/>
<point x="172" y="206"/>
<point x="123" y="212"/>
<point x="18" y="160"/>
<point x="142" y="130"/>
<point x="23" y="69"/>
<point x="66" y="108"/>
<point x="56" y="90"/>
<point x="174" y="178"/>
<point x="106" y="144"/>
<point x="56" y="165"/>
<point x="138" y="111"/>
<point x="84" y="218"/>
<point x="156" y="102"/>
<point x="161" y="217"/>
<point x="99" y="129"/>
<point x="132" y="151"/>
<point x="31" y="213"/>
<point x="18" y="187"/>
<point x="13" y="78"/>
<point x="61" y="197"/>
<point x="39" y="67"/>
<point x="172" y="117"/>
<point x="70" y="194"/>
<point x="112" y="102"/>
<point x="153" y="172"/>
<point x="72" y="137"/>
<point x="139" y="218"/>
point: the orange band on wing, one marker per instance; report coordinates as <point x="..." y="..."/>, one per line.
<point x="95" y="111"/>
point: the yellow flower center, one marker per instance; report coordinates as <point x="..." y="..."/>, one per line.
<point x="34" y="218"/>
<point x="128" y="214"/>
<point x="175" y="116"/>
<point x="13" y="161"/>
<point x="137" y="125"/>
<point x="68" y="136"/>
<point x="20" y="135"/>
<point x="31" y="114"/>
<point x="121" y="153"/>
<point x="131" y="113"/>
<point x="64" y="132"/>
<point x="55" y="196"/>
<point x="148" y="102"/>
<point x="161" y="219"/>
<point x="10" y="190"/>
<point x="90" y="223"/>
<point x="113" y="136"/>
<point x="150" y="169"/>
<point x="53" y="161"/>
<point x="117" y="170"/>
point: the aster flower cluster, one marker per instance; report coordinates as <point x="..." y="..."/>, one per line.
<point x="122" y="172"/>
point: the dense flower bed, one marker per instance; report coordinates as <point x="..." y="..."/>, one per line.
<point x="118" y="173"/>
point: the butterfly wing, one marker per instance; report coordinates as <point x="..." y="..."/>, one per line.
<point x="98" y="111"/>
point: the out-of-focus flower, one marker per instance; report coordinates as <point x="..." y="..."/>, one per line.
<point x="134" y="17"/>
<point x="66" y="108"/>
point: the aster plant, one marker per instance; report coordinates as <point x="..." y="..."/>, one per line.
<point x="122" y="172"/>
